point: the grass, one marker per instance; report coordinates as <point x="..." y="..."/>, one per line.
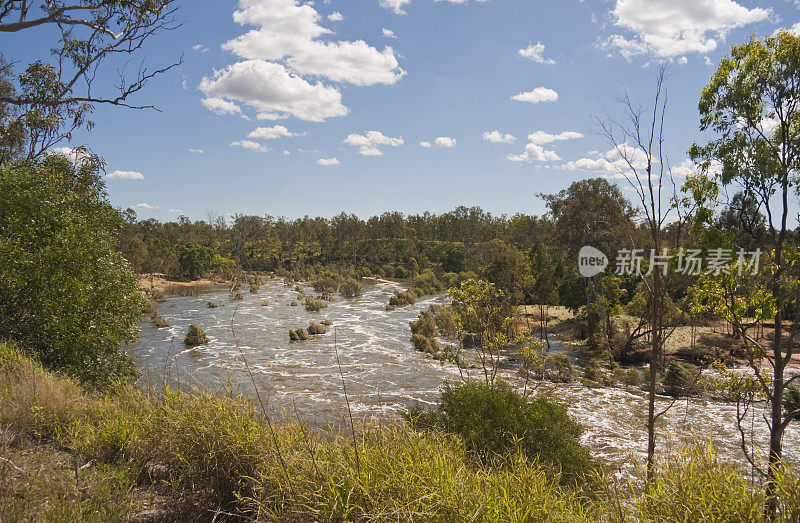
<point x="166" y="454"/>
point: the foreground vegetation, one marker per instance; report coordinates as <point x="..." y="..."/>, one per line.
<point x="72" y="454"/>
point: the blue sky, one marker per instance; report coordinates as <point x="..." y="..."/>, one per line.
<point x="289" y="108"/>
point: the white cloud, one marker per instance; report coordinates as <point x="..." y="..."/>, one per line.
<point x="290" y="32"/>
<point x="368" y="142"/>
<point x="250" y="145"/>
<point x="534" y="153"/>
<point x="271" y="133"/>
<point x="200" y="47"/>
<point x="335" y="17"/>
<point x="795" y="29"/>
<point x="536" y="53"/>
<point x="498" y="137"/>
<point x="146" y="206"/>
<point x="395" y="5"/>
<point x="270" y="87"/>
<point x="541" y="137"/>
<point x="271" y="116"/>
<point x="125" y="175"/>
<point x="220" y="106"/>
<point x="442" y="141"/>
<point x="540" y="94"/>
<point x="614" y="162"/>
<point x="197" y="151"/>
<point x="678" y="27"/>
<point x="388" y="33"/>
<point x="328" y="162"/>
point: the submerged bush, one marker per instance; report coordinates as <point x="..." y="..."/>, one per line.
<point x="195" y="336"/>
<point x="681" y="379"/>
<point x="298" y="335"/>
<point x="314" y="305"/>
<point x="495" y="421"/>
<point x="425" y="344"/>
<point x="212" y="305"/>
<point x="237" y="295"/>
<point x="559" y="368"/>
<point x="424" y="325"/>
<point x="316" y="328"/>
<point x="351" y="288"/>
<point x="158" y="321"/>
<point x="255" y="281"/>
<point x="401" y="299"/>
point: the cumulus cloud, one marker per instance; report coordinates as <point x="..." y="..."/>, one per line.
<point x="290" y="32"/>
<point x="498" y="137"/>
<point x="269" y="87"/>
<point x="146" y="206"/>
<point x="541" y="137"/>
<point x="335" y="17"/>
<point x="442" y="141"/>
<point x="328" y="162"/>
<point x="125" y="175"/>
<point x="396" y="5"/>
<point x="271" y="116"/>
<point x="250" y="145"/>
<point x="368" y="142"/>
<point x="534" y="153"/>
<point x="536" y="53"/>
<point x="538" y="95"/>
<point x="615" y="163"/>
<point x="388" y="33"/>
<point x="220" y="106"/>
<point x="197" y="151"/>
<point x="678" y="27"/>
<point x="270" y="133"/>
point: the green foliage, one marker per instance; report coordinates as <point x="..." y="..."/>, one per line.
<point x="425" y="344"/>
<point x="401" y="299"/>
<point x="194" y="259"/>
<point x="559" y="368"/>
<point x="351" y="288"/>
<point x="316" y="328"/>
<point x="255" y="281"/>
<point x="681" y="379"/>
<point x="195" y="336"/>
<point x="298" y="335"/>
<point x="425" y="325"/>
<point x="494" y="420"/>
<point x="314" y="305"/>
<point x="66" y="293"/>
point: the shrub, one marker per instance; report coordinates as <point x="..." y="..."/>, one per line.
<point x="298" y="335"/>
<point x="293" y="304"/>
<point x="196" y="336"/>
<point x="237" y="295"/>
<point x="559" y="368"/>
<point x="446" y="320"/>
<point x="66" y="293"/>
<point x="351" y="288"/>
<point x="212" y="305"/>
<point x="316" y="328"/>
<point x="425" y="325"/>
<point x="425" y="344"/>
<point x="593" y="372"/>
<point x="401" y="272"/>
<point x="255" y="281"/>
<point x="680" y="379"/>
<point x="427" y="283"/>
<point x="401" y="299"/>
<point x="327" y="323"/>
<point x="158" y="321"/>
<point x="314" y="305"/>
<point x="494" y="421"/>
<point x="264" y="303"/>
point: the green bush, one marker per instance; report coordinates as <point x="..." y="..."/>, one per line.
<point x="255" y="281"/>
<point x="494" y="421"/>
<point x="559" y="368"/>
<point x="425" y="344"/>
<point x="66" y="293"/>
<point x="195" y="336"/>
<point x="315" y="328"/>
<point x="425" y="325"/>
<point x="194" y="259"/>
<point x="351" y="288"/>
<point x="401" y="299"/>
<point x="427" y="283"/>
<point x="314" y="305"/>
<point x="298" y="335"/>
<point x="680" y="379"/>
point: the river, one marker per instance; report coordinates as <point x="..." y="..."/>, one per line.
<point x="384" y="375"/>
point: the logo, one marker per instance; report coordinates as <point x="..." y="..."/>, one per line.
<point x="591" y="261"/>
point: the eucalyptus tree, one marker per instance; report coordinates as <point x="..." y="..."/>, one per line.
<point x="752" y="105"/>
<point x="52" y="98"/>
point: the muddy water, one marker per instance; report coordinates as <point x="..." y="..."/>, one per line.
<point x="384" y="375"/>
